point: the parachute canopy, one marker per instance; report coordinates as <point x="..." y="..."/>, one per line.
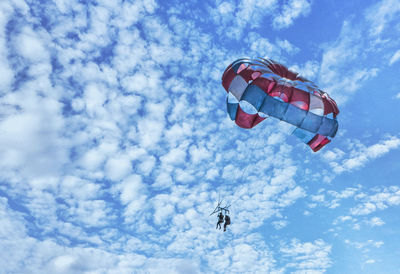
<point x="259" y="88"/>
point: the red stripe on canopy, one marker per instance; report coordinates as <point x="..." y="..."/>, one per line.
<point x="328" y="106"/>
<point x="318" y="142"/>
<point x="245" y="120"/>
<point x="247" y="74"/>
<point x="227" y="78"/>
<point x="300" y="99"/>
<point x="281" y="91"/>
<point x="283" y="71"/>
<point x="262" y="83"/>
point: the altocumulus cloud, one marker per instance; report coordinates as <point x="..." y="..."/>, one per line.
<point x="115" y="142"/>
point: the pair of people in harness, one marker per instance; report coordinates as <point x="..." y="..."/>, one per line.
<point x="221" y="220"/>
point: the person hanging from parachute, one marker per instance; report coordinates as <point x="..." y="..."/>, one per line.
<point x="220" y="220"/>
<point x="221" y="216"/>
<point x="227" y="221"/>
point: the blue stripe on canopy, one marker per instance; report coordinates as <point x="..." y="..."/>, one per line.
<point x="273" y="107"/>
<point x="254" y="95"/>
<point x="304" y="135"/>
<point x="312" y="122"/>
<point x="232" y="109"/>
<point x="335" y="128"/>
<point x="294" y="115"/>
<point x="327" y="127"/>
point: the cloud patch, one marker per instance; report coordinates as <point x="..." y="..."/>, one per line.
<point x="291" y="11"/>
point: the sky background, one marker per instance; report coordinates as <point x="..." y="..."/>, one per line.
<point x="115" y="143"/>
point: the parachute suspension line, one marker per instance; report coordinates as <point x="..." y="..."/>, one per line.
<point x="217" y="208"/>
<point x="253" y="145"/>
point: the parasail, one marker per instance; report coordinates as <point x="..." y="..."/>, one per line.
<point x="260" y="88"/>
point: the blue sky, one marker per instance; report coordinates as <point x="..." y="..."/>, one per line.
<point x="115" y="142"/>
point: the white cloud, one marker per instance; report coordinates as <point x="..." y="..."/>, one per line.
<point x="147" y="165"/>
<point x="90" y="213"/>
<point x="30" y="46"/>
<point x="6" y="73"/>
<point x="225" y="8"/>
<point x="151" y="126"/>
<point x="336" y="63"/>
<point x="309" y="70"/>
<point x="88" y="190"/>
<point x="95" y="96"/>
<point x="27" y="254"/>
<point x="342" y="219"/>
<point x="6" y="76"/>
<point x="307" y="257"/>
<point x="174" y="156"/>
<point x="198" y="154"/>
<point x="244" y="257"/>
<point x="370" y="261"/>
<point x="280" y="224"/>
<point x="291" y="11"/>
<point x="291" y="196"/>
<point x="335" y="154"/>
<point x="132" y="193"/>
<point x="178" y="132"/>
<point x="358" y="43"/>
<point x="263" y="47"/>
<point x="376" y="221"/>
<point x="184" y="176"/>
<point x="318" y="198"/>
<point x="261" y="44"/>
<point x="32" y="140"/>
<point x="344" y="194"/>
<point x="212" y="174"/>
<point x="395" y="58"/>
<point x="364" y="209"/>
<point x="361" y="155"/>
<point x="333" y="199"/>
<point x="118" y="168"/>
<point x="250" y="12"/>
<point x="93" y="158"/>
<point x="365" y="245"/>
<point x="287" y="46"/>
<point x="164" y="209"/>
<point x="384" y="198"/>
<point x="130" y="189"/>
<point x="381" y="14"/>
<point x="163" y="180"/>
